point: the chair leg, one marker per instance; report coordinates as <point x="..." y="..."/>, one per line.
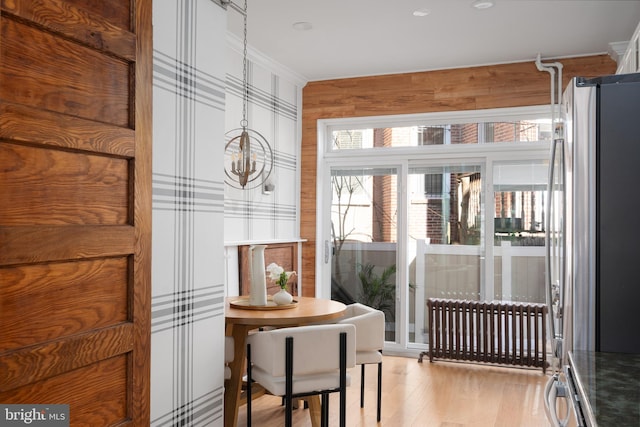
<point x="324" y="410"/>
<point x="288" y="411"/>
<point x="362" y="385"/>
<point x="288" y="400"/>
<point x="248" y="385"/>
<point x="343" y="379"/>
<point x="379" y="389"/>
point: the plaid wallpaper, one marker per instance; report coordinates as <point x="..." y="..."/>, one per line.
<point x="273" y="111"/>
<point x="188" y="213"/>
<point x="197" y="97"/>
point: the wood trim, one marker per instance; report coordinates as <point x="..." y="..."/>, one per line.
<point x="21" y="123"/>
<point x="140" y="396"/>
<point x="42" y="361"/>
<point x="495" y="86"/>
<point x="64" y="242"/>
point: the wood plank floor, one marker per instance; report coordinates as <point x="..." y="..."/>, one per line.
<point x="439" y="394"/>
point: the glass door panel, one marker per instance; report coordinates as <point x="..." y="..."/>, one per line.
<point x="519" y="193"/>
<point x="445" y="235"/>
<point x="364" y="230"/>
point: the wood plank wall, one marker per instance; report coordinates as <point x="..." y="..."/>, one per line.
<point x="495" y="86"/>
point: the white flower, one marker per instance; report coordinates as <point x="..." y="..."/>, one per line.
<point x="278" y="275"/>
<point x="274" y="271"/>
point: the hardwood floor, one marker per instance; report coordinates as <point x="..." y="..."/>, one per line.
<point x="439" y="394"/>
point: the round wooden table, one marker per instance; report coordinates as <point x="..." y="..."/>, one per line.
<point x="238" y="323"/>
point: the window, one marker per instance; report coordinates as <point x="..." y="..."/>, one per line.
<point x="522" y="127"/>
<point x="433" y="135"/>
<point x="434" y="205"/>
<point x="433" y="185"/>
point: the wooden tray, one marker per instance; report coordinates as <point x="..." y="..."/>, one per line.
<point x="243" y="303"/>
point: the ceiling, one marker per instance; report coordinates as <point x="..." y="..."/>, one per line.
<point x="351" y="38"/>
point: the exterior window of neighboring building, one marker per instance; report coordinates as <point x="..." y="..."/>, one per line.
<point x="433" y="185"/>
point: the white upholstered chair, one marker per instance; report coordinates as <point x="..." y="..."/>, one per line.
<point x="369" y="324"/>
<point x="229" y="350"/>
<point x="302" y="361"/>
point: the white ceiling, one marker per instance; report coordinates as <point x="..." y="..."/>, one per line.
<point x="353" y="38"/>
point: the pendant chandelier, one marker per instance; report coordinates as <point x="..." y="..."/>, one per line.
<point x="248" y="158"/>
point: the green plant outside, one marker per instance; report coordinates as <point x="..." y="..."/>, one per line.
<point x="378" y="291"/>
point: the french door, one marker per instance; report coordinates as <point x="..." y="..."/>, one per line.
<point x="435" y="206"/>
<point x="392" y="246"/>
<point x="364" y="239"/>
<point x="445" y="238"/>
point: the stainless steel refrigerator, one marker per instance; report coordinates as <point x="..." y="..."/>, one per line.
<point x="593" y="233"/>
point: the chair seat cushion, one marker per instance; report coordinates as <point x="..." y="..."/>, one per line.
<point x="365" y="357"/>
<point x="305" y="384"/>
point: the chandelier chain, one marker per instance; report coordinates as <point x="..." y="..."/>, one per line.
<point x="249" y="158"/>
<point x="245" y="84"/>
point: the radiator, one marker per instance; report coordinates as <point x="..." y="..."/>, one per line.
<point x="487" y="332"/>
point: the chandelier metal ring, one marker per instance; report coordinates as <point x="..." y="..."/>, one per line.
<point x="247" y="167"/>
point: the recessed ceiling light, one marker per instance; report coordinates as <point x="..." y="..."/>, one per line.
<point x="421" y="12"/>
<point x="302" y="26"/>
<point x="482" y="4"/>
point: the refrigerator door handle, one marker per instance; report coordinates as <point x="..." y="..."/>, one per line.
<point x="550" y="394"/>
<point x="548" y="219"/>
<point x="550" y="284"/>
<point x="553" y="390"/>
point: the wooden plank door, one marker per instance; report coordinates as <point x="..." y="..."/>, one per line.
<point x="75" y="207"/>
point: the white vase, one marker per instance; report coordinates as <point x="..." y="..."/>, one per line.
<point x="282" y="297"/>
<point x="257" y="276"/>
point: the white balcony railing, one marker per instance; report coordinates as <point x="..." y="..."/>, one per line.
<point x="456" y="271"/>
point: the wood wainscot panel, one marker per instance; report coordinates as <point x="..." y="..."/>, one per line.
<point x="43" y="302"/>
<point x="56" y="74"/>
<point x="103" y="25"/>
<point x="283" y="254"/>
<point x="48" y="186"/>
<point x="96" y="393"/>
<point x="113" y="13"/>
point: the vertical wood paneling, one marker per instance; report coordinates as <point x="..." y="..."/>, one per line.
<point x="497" y="86"/>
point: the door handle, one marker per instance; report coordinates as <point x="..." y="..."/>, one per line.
<point x="327" y="251"/>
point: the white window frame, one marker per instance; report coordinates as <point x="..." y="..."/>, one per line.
<point x="400" y="158"/>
